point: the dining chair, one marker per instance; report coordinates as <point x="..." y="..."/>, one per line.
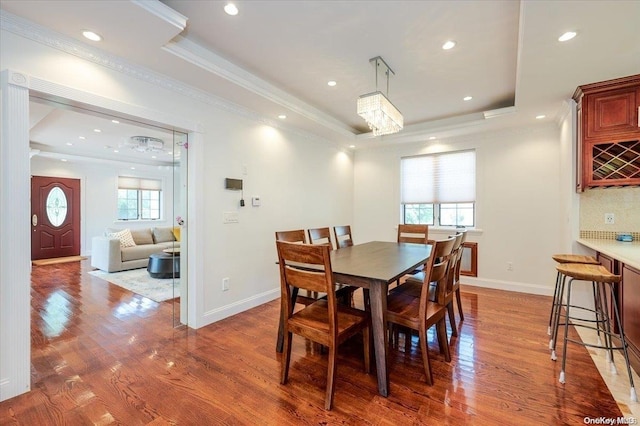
<point x="320" y="236"/>
<point x="456" y="279"/>
<point x="324" y="321"/>
<point x="323" y="236"/>
<point x="294" y="236"/>
<point x="413" y="233"/>
<point x="343" y="236"/>
<point x="412" y="309"/>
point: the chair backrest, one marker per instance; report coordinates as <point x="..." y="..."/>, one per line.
<point x="456" y="271"/>
<point x="343" y="236"/>
<point x="456" y="255"/>
<point x="436" y="271"/>
<point x="295" y="236"/>
<point x="320" y="236"/>
<point x="306" y="267"/>
<point x="417" y="234"/>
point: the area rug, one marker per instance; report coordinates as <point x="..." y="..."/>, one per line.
<point x="53" y="261"/>
<point x="138" y="281"/>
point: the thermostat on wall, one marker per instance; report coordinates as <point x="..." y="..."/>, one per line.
<point x="255" y="201"/>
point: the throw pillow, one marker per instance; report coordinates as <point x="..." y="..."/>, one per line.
<point x="163" y="234"/>
<point x="176" y="232"/>
<point x="126" y="240"/>
<point x="142" y="236"/>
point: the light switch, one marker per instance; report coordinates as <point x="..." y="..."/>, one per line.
<point x="255" y="201"/>
<point x="230" y="217"/>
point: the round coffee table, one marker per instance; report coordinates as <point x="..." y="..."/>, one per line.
<point x="164" y="265"/>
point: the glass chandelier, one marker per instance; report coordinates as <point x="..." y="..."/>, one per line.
<point x="380" y="114"/>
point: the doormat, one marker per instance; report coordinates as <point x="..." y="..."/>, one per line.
<point x="53" y="261"/>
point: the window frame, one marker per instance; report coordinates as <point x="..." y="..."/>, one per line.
<point x="148" y="198"/>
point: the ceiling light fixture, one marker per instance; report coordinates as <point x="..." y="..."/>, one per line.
<point x="282" y="116"/>
<point x="231" y="9"/>
<point x="145" y="144"/>
<point x="540" y="117"/>
<point x="331" y="83"/>
<point x="81" y="137"/>
<point x="115" y="121"/>
<point x="91" y="35"/>
<point x="97" y="130"/>
<point x="376" y="109"/>
<point x="567" y="36"/>
<point x="450" y="44"/>
<point x="467" y="98"/>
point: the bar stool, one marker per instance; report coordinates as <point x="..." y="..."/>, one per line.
<point x="556" y="304"/>
<point x="603" y="283"/>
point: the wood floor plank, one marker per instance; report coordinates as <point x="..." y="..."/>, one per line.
<point x="103" y="355"/>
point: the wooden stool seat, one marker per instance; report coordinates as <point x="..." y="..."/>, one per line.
<point x="584" y="272"/>
<point x="575" y="258"/>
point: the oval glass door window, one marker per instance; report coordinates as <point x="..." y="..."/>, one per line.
<point x="56" y="206"/>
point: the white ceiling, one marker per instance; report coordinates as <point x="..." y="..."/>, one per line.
<point x="276" y="57"/>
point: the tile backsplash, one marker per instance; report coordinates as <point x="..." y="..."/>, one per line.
<point x="623" y="202"/>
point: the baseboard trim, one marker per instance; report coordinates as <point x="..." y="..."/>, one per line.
<point x="542" y="290"/>
<point x="234" y="308"/>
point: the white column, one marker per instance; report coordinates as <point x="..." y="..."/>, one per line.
<point x="15" y="238"/>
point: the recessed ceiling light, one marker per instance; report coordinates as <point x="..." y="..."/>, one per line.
<point x="450" y="44"/>
<point x="540" y="117"/>
<point x="331" y="83"/>
<point x="282" y="116"/>
<point x="567" y="36"/>
<point x="432" y="138"/>
<point x="116" y="151"/>
<point x="133" y="168"/>
<point x="81" y="137"/>
<point x="97" y="130"/>
<point x="115" y="121"/>
<point x="467" y="98"/>
<point x="231" y="9"/>
<point x="69" y="144"/>
<point x="154" y="156"/>
<point x="63" y="160"/>
<point x="352" y="146"/>
<point x="91" y="35"/>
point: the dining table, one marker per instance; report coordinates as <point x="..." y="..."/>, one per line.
<point x="373" y="266"/>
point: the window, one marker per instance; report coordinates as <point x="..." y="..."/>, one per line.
<point x="439" y="189"/>
<point x="139" y="199"/>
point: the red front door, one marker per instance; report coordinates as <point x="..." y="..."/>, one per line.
<point x="55" y="217"/>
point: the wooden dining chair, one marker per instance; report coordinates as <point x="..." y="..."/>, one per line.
<point x="456" y="277"/>
<point x="412" y="309"/>
<point x="413" y="233"/>
<point x="320" y="236"/>
<point x="324" y="321"/>
<point x="294" y="236"/>
<point x="343" y="236"/>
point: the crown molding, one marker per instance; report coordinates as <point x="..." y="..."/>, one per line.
<point x="164" y="12"/>
<point x="32" y="31"/>
<point x="215" y="64"/>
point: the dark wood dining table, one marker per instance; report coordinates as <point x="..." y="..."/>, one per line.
<point x="375" y="265"/>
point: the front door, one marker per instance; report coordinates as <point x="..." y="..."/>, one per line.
<point x="55" y="217"/>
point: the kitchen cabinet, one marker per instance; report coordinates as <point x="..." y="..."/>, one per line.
<point x="608" y="133"/>
<point x="631" y="310"/>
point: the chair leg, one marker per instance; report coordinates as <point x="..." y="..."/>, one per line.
<point x="425" y="355"/>
<point x="452" y="319"/>
<point x="331" y="376"/>
<point x="458" y="299"/>
<point x="366" y="340"/>
<point x="443" y="341"/>
<point x="287" y="358"/>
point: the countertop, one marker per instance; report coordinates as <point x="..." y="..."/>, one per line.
<point x="625" y="252"/>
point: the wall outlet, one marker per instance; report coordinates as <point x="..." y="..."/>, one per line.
<point x="225" y="284"/>
<point x="609" y="218"/>
<point x="509" y="266"/>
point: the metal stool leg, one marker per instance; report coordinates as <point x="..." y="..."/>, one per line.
<point x="566" y="332"/>
<point x="556" y="297"/>
<point x="556" y="317"/>
<point x="632" y="392"/>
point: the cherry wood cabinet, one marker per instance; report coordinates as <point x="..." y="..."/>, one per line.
<point x="631" y="310"/>
<point x="608" y="133"/>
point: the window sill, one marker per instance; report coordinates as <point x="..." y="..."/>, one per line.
<point x="453" y="229"/>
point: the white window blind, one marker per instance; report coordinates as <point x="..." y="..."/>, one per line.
<point x="139" y="183"/>
<point x="439" y="178"/>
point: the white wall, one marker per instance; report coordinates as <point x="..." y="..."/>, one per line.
<point x="303" y="181"/>
<point x="517" y="201"/>
<point x="98" y="189"/>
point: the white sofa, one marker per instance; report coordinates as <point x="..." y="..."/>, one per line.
<point x="107" y="253"/>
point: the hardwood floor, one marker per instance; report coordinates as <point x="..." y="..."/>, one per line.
<point x="102" y="355"/>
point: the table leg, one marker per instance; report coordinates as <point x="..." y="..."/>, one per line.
<point x="378" y="300"/>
